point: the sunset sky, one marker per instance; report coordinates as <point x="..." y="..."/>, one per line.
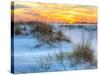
<point x="47" y="12"/>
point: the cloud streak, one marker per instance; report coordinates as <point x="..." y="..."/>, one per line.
<point x="18" y="6"/>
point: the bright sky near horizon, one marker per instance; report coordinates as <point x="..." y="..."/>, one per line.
<point x="51" y="12"/>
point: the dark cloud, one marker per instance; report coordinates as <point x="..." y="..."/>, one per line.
<point x="18" y="6"/>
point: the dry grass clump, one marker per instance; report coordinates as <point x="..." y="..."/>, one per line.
<point x="18" y="30"/>
<point x="82" y="54"/>
<point x="44" y="62"/>
<point x="46" y="34"/>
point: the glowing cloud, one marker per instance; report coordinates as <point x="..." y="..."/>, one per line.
<point x="30" y="11"/>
